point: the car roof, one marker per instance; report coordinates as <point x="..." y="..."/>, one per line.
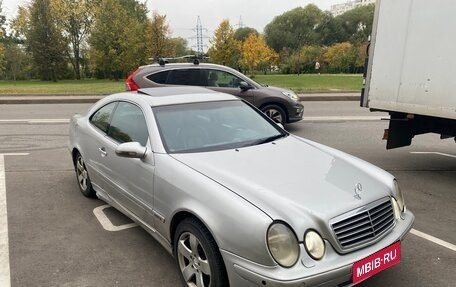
<point x="163" y="96"/>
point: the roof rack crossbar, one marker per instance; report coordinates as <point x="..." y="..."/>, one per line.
<point x="162" y="61"/>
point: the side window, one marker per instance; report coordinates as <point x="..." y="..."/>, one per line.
<point x="128" y="124"/>
<point x="186" y="77"/>
<point x="101" y="118"/>
<point x="224" y="79"/>
<point x="159" y="78"/>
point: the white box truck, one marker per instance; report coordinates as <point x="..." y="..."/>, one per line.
<point x="411" y="68"/>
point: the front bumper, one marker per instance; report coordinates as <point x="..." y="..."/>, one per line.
<point x="333" y="270"/>
<point x="295" y="113"/>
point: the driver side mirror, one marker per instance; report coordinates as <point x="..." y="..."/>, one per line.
<point x="245" y="86"/>
<point x="131" y="150"/>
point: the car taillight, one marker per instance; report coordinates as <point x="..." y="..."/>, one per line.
<point x="130" y="83"/>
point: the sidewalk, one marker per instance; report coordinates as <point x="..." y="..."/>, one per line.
<point x="80" y="99"/>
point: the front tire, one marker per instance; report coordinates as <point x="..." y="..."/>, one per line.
<point x="84" y="183"/>
<point x="276" y="113"/>
<point x="197" y="256"/>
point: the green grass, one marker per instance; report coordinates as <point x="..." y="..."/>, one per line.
<point x="62" y="87"/>
<point x="313" y="82"/>
<point x="301" y="83"/>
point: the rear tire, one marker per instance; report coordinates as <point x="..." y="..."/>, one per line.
<point x="82" y="176"/>
<point x="197" y="256"/>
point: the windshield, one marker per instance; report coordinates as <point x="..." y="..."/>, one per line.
<point x="211" y="126"/>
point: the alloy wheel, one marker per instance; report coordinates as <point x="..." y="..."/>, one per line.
<point x="274" y="114"/>
<point x="81" y="172"/>
<point x="193" y="261"/>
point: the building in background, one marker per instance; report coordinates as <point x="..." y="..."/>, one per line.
<point x="339" y="9"/>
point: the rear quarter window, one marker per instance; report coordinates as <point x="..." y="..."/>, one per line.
<point x="101" y="117"/>
<point x="159" y="78"/>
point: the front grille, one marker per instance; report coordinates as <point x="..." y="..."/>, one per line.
<point x="365" y="225"/>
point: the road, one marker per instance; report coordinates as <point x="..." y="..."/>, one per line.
<point x="55" y="239"/>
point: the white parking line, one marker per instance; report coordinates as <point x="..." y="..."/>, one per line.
<point x="433" y="239"/>
<point x="15" y="154"/>
<point x="5" y="279"/>
<point x="36" y="121"/>
<point x="433" y="152"/>
<point x="343" y="118"/>
<point x="106" y="223"/>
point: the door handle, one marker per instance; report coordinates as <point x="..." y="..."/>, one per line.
<point x="103" y="151"/>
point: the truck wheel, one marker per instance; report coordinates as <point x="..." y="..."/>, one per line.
<point x="197" y="256"/>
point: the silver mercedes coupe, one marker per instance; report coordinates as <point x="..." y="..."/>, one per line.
<point x="236" y="199"/>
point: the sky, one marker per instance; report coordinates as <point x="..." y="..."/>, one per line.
<point x="182" y="15"/>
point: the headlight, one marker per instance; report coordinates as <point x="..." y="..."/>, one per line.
<point x="314" y="244"/>
<point x="283" y="244"/>
<point x="399" y="197"/>
<point x="291" y="95"/>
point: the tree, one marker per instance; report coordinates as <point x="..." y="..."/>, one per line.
<point x="302" y="60"/>
<point x="225" y="48"/>
<point x="361" y="54"/>
<point x="75" y="19"/>
<point x="118" y="42"/>
<point x="44" y="41"/>
<point x="18" y="62"/>
<point x="355" y="25"/>
<point x="158" y="39"/>
<point x="21" y="24"/>
<point x="328" y="30"/>
<point x="295" y="28"/>
<point x="308" y="56"/>
<point x="242" y="33"/>
<point x="180" y="46"/>
<point x="2" y="38"/>
<point x="256" y="52"/>
<point x="341" y="57"/>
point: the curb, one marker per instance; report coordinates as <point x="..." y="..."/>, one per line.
<point x="12" y="100"/>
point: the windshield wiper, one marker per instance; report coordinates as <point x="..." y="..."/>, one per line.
<point x="269" y="139"/>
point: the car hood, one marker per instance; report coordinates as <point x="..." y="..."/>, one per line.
<point x="278" y="89"/>
<point x="293" y="179"/>
<point x="275" y="89"/>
